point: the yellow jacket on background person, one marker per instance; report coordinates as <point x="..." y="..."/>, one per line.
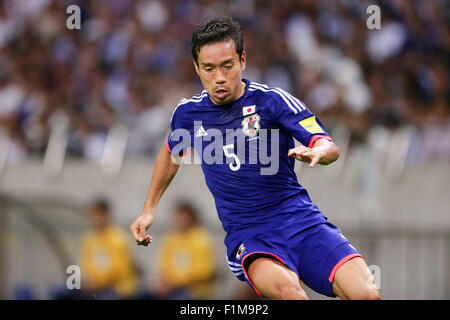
<point x="186" y="259"/>
<point x="106" y="261"/>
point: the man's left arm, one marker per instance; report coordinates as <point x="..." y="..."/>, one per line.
<point x="292" y="115"/>
<point x="322" y="151"/>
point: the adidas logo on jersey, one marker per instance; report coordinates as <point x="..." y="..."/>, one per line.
<point x="201" y="132"/>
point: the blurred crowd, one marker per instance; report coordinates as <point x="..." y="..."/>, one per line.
<point x="130" y="63"/>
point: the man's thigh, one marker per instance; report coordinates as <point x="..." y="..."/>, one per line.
<point x="353" y="280"/>
<point x="248" y="247"/>
<point x="273" y="279"/>
<point x="321" y="251"/>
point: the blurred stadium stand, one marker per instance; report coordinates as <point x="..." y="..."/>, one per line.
<point x="130" y="63"/>
<point x="83" y="112"/>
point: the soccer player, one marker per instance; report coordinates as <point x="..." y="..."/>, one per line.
<point x="276" y="236"/>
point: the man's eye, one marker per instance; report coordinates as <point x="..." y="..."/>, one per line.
<point x="228" y="67"/>
<point x="208" y="69"/>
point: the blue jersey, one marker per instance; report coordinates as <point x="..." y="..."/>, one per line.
<point x="244" y="195"/>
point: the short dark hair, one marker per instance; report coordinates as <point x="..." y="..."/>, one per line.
<point x="217" y="30"/>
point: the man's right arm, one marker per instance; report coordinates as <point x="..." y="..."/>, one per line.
<point x="165" y="169"/>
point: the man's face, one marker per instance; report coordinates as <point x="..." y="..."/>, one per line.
<point x="220" y="71"/>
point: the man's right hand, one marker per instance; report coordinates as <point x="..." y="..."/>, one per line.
<point x="163" y="173"/>
<point x="139" y="227"/>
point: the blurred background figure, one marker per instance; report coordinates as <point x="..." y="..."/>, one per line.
<point x="106" y="265"/>
<point x="186" y="262"/>
<point x="107" y="268"/>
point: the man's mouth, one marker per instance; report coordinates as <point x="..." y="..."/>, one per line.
<point x="221" y="93"/>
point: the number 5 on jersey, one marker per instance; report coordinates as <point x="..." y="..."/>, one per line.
<point x="229" y="153"/>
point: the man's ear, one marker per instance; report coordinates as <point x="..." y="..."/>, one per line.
<point x="196" y="67"/>
<point x="243" y="60"/>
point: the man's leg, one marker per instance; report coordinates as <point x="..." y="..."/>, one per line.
<point x="353" y="280"/>
<point x="274" y="280"/>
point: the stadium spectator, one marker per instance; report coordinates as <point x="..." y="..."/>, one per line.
<point x="186" y="264"/>
<point x="107" y="268"/>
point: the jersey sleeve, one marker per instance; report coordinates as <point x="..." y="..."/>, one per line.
<point x="178" y="140"/>
<point x="293" y="116"/>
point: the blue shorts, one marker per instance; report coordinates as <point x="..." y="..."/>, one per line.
<point x="314" y="254"/>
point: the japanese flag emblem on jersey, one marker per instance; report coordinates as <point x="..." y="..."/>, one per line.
<point x="250" y="125"/>
<point x="248" y="110"/>
<point x="240" y="251"/>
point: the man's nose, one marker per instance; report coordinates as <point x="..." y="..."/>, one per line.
<point x="220" y="79"/>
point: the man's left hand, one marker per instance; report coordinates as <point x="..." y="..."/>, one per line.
<point x="305" y="154"/>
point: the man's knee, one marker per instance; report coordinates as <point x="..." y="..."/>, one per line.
<point x="290" y="292"/>
<point x="367" y="294"/>
<point x="363" y="293"/>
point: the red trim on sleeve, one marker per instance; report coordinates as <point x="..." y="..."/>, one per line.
<point x="340" y="263"/>
<point x="168" y="148"/>
<point x="317" y="137"/>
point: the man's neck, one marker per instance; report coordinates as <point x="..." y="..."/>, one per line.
<point x="242" y="87"/>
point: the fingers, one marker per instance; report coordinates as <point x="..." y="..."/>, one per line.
<point x="145" y="242"/>
<point x="291" y="152"/>
<point x="297" y="152"/>
<point x="314" y="161"/>
<point x="300" y="153"/>
<point x="312" y="157"/>
<point x="141" y="238"/>
<point x="135" y="231"/>
<point x="305" y="154"/>
<point x="141" y="234"/>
